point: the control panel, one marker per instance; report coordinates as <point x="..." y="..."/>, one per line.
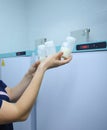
<point x="91" y="46"/>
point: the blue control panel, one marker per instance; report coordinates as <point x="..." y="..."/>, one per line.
<point x="16" y="54"/>
<point x="79" y="47"/>
<point x="90" y="46"/>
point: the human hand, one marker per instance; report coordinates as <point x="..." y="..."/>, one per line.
<point x="54" y="61"/>
<point x="33" y="69"/>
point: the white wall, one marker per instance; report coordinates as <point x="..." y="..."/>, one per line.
<point x="13" y="25"/>
<point x="24" y="21"/>
<point x="55" y="19"/>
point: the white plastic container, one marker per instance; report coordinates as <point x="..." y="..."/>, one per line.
<point x="67" y="46"/>
<point x="41" y="50"/>
<point x="50" y="48"/>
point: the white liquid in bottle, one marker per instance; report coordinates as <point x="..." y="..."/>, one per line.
<point x="67" y="47"/>
<point x="66" y="50"/>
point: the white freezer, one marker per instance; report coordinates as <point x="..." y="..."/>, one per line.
<point x="74" y="96"/>
<point x="71" y="97"/>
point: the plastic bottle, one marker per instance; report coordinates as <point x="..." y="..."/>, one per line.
<point x="67" y="46"/>
<point x="41" y="50"/>
<point x="50" y="48"/>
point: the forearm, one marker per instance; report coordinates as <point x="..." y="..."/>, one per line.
<point x="26" y="101"/>
<point x="19" y="111"/>
<point x="18" y="90"/>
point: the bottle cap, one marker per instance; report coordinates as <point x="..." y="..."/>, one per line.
<point x="49" y="43"/>
<point x="71" y="39"/>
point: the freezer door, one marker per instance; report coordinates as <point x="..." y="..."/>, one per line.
<point x="11" y="73"/>
<point x="74" y="96"/>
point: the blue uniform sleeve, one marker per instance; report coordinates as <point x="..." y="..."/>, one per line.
<point x="0" y="103"/>
<point x="3" y="84"/>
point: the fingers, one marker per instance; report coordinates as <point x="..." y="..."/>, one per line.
<point x="59" y="54"/>
<point x="35" y="65"/>
<point x="53" y="61"/>
<point x="65" y="61"/>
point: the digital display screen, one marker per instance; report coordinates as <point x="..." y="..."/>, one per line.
<point x="84" y="47"/>
<point x="97" y="45"/>
<point x="20" y="53"/>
